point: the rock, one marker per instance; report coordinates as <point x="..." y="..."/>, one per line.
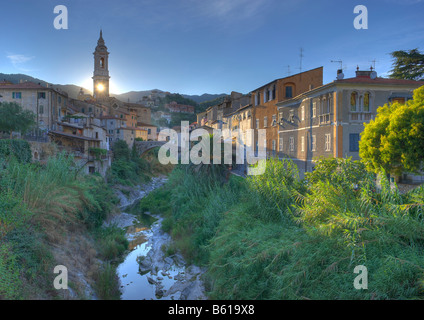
<point x="151" y="281"/>
<point x="159" y="293"/>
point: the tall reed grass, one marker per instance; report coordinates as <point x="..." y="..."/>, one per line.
<point x="277" y="236"/>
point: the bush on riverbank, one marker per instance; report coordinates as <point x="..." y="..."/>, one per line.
<point x="129" y="169"/>
<point x="278" y="237"/>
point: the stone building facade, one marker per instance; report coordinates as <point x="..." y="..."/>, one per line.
<point x="265" y="99"/>
<point x="327" y="121"/>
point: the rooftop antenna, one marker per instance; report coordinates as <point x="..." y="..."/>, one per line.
<point x="301" y="60"/>
<point x="338" y="61"/>
<point x="373" y="63"/>
<point x="340" y="74"/>
<point x="288" y="71"/>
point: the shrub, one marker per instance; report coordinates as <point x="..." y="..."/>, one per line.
<point x="17" y="148"/>
<point x="107" y="283"/>
<point x="112" y="242"/>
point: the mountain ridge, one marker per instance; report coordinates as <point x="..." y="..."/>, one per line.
<point x="133" y="96"/>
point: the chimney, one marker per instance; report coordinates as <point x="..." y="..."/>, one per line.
<point x="363" y="73"/>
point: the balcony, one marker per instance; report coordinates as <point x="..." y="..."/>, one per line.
<point x="360" y="116"/>
<point x="325" y="118"/>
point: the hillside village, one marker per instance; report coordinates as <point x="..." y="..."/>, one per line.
<point x="303" y="117"/>
<point x="89" y="209"/>
<point x="87" y="126"/>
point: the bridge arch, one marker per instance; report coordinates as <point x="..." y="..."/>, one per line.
<point x="144" y="146"/>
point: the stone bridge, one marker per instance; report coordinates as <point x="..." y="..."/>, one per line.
<point x="144" y="146"/>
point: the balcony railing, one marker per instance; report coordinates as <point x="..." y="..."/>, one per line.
<point x="360" y="116"/>
<point x="325" y="118"/>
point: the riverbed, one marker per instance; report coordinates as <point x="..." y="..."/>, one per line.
<point x="147" y="273"/>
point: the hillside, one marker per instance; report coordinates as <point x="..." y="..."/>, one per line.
<point x="132" y="96"/>
<point x="204" y="97"/>
<point x="71" y="89"/>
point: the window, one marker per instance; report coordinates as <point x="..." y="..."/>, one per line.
<point x="367" y="102"/>
<point x="41" y="95"/>
<point x="281" y="116"/>
<point x="257" y="123"/>
<point x="259" y="98"/>
<point x="322" y="105"/>
<point x="314" y="143"/>
<point x="353" y="101"/>
<point x="265" y="122"/>
<point x="118" y="131"/>
<point x="328" y="142"/>
<point x="149" y="131"/>
<point x="59" y="99"/>
<point x="314" y="109"/>
<point x="354" y="142"/>
<point x="329" y="102"/>
<point x="90" y="109"/>
<point x="274" y="120"/>
<point x="83" y="110"/>
<point x="281" y="143"/>
<point x="274" y="146"/>
<point x="274" y="93"/>
<point x="302" y="113"/>
<point x="291" y="116"/>
<point x="291" y="143"/>
<point x="17" y="95"/>
<point x="41" y="109"/>
<point x="302" y="144"/>
<point x="289" y="92"/>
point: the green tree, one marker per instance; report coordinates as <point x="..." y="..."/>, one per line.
<point x="14" y="119"/>
<point x="408" y="65"/>
<point x="394" y="141"/>
<point x="121" y="151"/>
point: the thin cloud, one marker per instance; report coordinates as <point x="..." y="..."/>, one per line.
<point x="18" y="61"/>
<point x="241" y="9"/>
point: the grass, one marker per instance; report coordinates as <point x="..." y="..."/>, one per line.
<point x="107" y="283"/>
<point x="46" y="214"/>
<point x="276" y="236"/>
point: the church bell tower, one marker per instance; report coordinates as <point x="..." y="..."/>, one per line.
<point x="101" y="70"/>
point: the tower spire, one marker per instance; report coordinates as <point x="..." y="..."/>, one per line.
<point x="101" y="69"/>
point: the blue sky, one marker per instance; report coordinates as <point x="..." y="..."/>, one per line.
<point x="203" y="46"/>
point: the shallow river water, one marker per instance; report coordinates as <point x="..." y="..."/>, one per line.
<point x="147" y="273"/>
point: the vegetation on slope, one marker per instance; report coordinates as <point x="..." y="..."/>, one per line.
<point x="49" y="216"/>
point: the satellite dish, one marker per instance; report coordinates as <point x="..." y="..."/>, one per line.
<point x="340" y="76"/>
<point x="373" y="75"/>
